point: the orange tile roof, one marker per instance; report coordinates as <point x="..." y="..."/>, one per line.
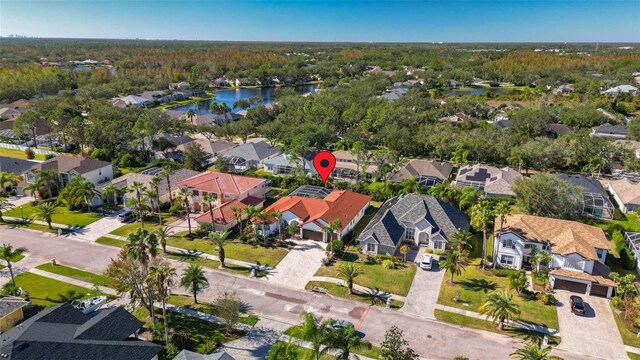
<point x="215" y="182"/>
<point x="223" y="214"/>
<point x="343" y="205"/>
<point x="566" y="237"/>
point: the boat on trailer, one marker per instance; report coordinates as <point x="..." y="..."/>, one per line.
<point x="89" y="305"/>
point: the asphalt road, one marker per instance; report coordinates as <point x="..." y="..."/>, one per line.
<point x="431" y="339"/>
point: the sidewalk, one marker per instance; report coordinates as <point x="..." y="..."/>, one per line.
<point x="356" y="287"/>
<point x="520" y="324"/>
<point x="73" y="281"/>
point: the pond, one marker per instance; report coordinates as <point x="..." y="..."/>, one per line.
<point x="479" y="91"/>
<point x="229" y="96"/>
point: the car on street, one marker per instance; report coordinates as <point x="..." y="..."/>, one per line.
<point x="577" y="305"/>
<point x="338" y="324"/>
<point x="426" y="261"/>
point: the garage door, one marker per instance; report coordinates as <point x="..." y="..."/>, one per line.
<point x="570" y="286"/>
<point x="311" y="235"/>
<point x="599" y="290"/>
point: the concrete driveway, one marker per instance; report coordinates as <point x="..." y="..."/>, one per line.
<point x="98" y="229"/>
<point x="298" y="267"/>
<point x="594" y="334"/>
<point x="423" y="295"/>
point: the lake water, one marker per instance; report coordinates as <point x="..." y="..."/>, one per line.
<point x="479" y="91"/>
<point x="229" y="96"/>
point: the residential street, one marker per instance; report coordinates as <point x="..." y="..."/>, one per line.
<point x="431" y="339"/>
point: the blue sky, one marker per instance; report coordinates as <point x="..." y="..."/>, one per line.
<point x="311" y="20"/>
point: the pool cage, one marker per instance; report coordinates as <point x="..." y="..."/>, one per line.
<point x="597" y="205"/>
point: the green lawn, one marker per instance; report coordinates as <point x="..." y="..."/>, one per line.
<point x="631" y="224"/>
<point x="374" y="352"/>
<point x="75" y="273"/>
<point x="233" y="250"/>
<point x="489" y="326"/>
<point x="18" y="154"/>
<point x="14" y="259"/>
<point x="212" y="264"/>
<point x="150" y="224"/>
<point x="371" y="211"/>
<point x="395" y="281"/>
<point x="48" y="292"/>
<point x="473" y="287"/>
<point x="341" y="291"/>
<point x="187" y="302"/>
<point x="633" y="356"/>
<point x="63" y="215"/>
<point x="307" y="354"/>
<point x="627" y="330"/>
<point x="110" y="241"/>
<point x="28" y="225"/>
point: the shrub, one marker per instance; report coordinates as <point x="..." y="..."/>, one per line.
<point x="618" y="215"/>
<point x="181" y="340"/>
<point x="627" y="260"/>
<point x="616" y="302"/>
<point x="204" y="229"/>
<point x="129" y="160"/>
<point x="504" y="272"/>
<point x="544" y="298"/>
<point x="618" y="240"/>
<point x="326" y="261"/>
<point x="429" y="250"/>
<point x="337" y="246"/>
<point x="49" y="156"/>
<point x="208" y="347"/>
<point x="177" y="209"/>
<point x="388" y="264"/>
<point x="9" y="289"/>
<point x="100" y="154"/>
<point x="30" y="153"/>
<point x="371" y="260"/>
<point x="613" y="228"/>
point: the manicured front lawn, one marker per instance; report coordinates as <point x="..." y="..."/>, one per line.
<point x="187" y="302"/>
<point x="627" y="330"/>
<point x="374" y="353"/>
<point x="307" y="354"/>
<point x="473" y="287"/>
<point x="62" y="216"/>
<point x="474" y="323"/>
<point x="395" y="281"/>
<point x="633" y="356"/>
<point x="18" y="154"/>
<point x="341" y="291"/>
<point x="150" y="224"/>
<point x="28" y="225"/>
<point x="75" y="273"/>
<point x="233" y="250"/>
<point x="14" y="259"/>
<point x="212" y="264"/>
<point x="48" y="292"/>
<point x="110" y="241"/>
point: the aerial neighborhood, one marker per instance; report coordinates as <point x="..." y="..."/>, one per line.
<point x="166" y="201"/>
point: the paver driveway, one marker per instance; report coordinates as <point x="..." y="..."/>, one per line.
<point x="298" y="267"/>
<point x="423" y="295"/>
<point x="594" y="334"/>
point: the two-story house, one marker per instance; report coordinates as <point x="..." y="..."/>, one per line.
<point x="578" y="251"/>
<point x="348" y="167"/>
<point x="229" y="191"/>
<point x="417" y="219"/>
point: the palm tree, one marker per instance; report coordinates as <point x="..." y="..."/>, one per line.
<point x="316" y="333"/>
<point x="262" y="218"/>
<point x="166" y="172"/>
<point x="193" y="279"/>
<point x="500" y="307"/>
<point x="331" y="228"/>
<point x="4" y="206"/>
<point x="163" y="234"/>
<point x="162" y="278"/>
<point x="7" y="253"/>
<point x="151" y="194"/>
<point x="142" y="246"/>
<point x="190" y="115"/>
<point x="112" y="190"/>
<point x="349" y="272"/>
<point x="377" y="296"/>
<point x="345" y="340"/>
<point x="185" y="193"/>
<point x="219" y="239"/>
<point x="138" y="188"/>
<point x="7" y="177"/>
<point x="454" y="264"/>
<point x="34" y="190"/>
<point x="540" y="256"/>
<point x="209" y="199"/>
<point x="278" y="215"/>
<point x="461" y="240"/>
<point x="155" y="184"/>
<point x="46" y="179"/>
<point x="237" y="215"/>
<point x="87" y="189"/>
<point x="481" y="216"/>
<point x="532" y="351"/>
<point x="45" y="211"/>
<point x="502" y="210"/>
<point x="250" y="211"/>
<point x="292" y="228"/>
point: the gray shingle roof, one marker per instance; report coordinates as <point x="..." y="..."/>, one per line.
<point x="253" y="151"/>
<point x="417" y="167"/>
<point x="190" y="355"/>
<point x="64" y="164"/>
<point x="16" y="166"/>
<point x="9" y="304"/>
<point x="386" y="226"/>
<point x="589" y="184"/>
<point x="607" y="128"/>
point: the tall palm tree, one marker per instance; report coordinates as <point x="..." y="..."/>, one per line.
<point x="219" y="239"/>
<point x="538" y="257"/>
<point x="454" y="264"/>
<point x="163" y="278"/>
<point x="185" y="194"/>
<point x="262" y="218"/>
<point x="501" y="210"/>
<point x="532" y="351"/>
<point x="138" y="188"/>
<point x="461" y="240"/>
<point x="47" y="179"/>
<point x="194" y="280"/>
<point x="209" y="199"/>
<point x="278" y="215"/>
<point x="142" y="246"/>
<point x="500" y="307"/>
<point x="7" y="253"/>
<point x="250" y="211"/>
<point x="332" y="228"/>
<point x="87" y="189"/>
<point x="190" y="115"/>
<point x="166" y="172"/>
<point x="44" y="211"/>
<point x="345" y="340"/>
<point x="111" y="190"/>
<point x="7" y="177"/>
<point x="34" y="190"/>
<point x="237" y="215"/>
<point x="155" y="185"/>
<point x="162" y="233"/>
<point x="481" y="216"/>
<point x="315" y="333"/>
<point x="4" y="206"/>
<point x="349" y="272"/>
<point x="151" y="195"/>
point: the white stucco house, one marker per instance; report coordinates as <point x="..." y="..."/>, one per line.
<point x="578" y="250"/>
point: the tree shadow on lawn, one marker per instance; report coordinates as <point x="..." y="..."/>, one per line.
<point x="476" y="284"/>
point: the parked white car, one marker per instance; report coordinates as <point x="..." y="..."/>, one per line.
<point x="426" y="261"/>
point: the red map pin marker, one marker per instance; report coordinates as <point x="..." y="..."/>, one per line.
<point x="324" y="162"/>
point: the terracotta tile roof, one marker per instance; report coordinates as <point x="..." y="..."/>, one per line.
<point x="343" y="205"/>
<point x="223" y="214"/>
<point x="215" y="182"/>
<point x="566" y="237"/>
